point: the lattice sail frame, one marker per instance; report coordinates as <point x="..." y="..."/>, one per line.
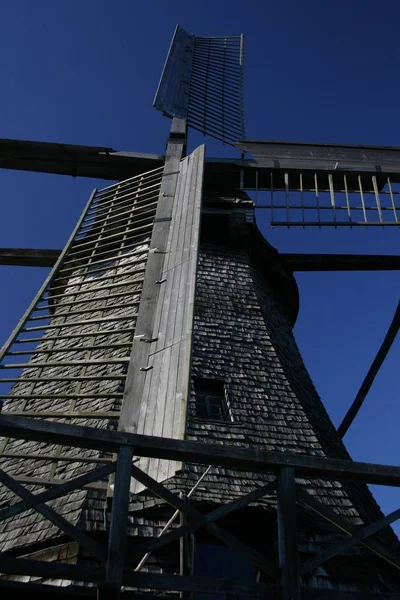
<point x="202" y="81"/>
<point x="76" y="336"/>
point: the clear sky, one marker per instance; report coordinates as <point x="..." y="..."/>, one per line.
<point x="85" y="72"/>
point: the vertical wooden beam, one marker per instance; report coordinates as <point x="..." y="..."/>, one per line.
<point x="287" y="535"/>
<point x="184" y="549"/>
<point x="139" y="369"/>
<point x="119" y="525"/>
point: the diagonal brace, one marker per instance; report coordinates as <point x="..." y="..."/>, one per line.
<point x="207" y="519"/>
<point x="79" y="536"/>
<point x="57" y="491"/>
<point x="361" y="534"/>
<point x="344" y="525"/>
<point x="224" y="536"/>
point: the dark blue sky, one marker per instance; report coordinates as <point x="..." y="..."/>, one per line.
<point x="85" y="72"/>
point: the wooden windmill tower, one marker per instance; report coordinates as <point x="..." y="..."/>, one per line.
<point x="161" y="434"/>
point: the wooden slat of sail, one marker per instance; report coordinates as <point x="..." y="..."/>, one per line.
<point x="164" y="401"/>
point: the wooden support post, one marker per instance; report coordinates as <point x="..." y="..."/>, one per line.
<point x="184" y="549"/>
<point x="119" y="525"/>
<point x="287" y="535"/>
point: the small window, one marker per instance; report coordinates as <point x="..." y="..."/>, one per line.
<point x="210" y="398"/>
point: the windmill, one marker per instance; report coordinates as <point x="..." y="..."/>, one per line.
<point x="159" y="425"/>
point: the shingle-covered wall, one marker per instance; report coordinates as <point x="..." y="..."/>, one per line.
<point x="243" y="338"/>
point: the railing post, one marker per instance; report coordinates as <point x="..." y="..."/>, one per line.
<point x="287" y="535"/>
<point x="118" y="526"/>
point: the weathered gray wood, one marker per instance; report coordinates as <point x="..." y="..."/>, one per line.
<point x="73" y="160"/>
<point x="341" y="262"/>
<point x="316" y="156"/>
<point x="361" y="534"/>
<point x="200" y="584"/>
<point x="52" y="570"/>
<point x="163" y="403"/>
<point x="57" y="492"/>
<point x="137" y="406"/>
<point x="28" y="257"/>
<point x="372" y="373"/>
<point x="245" y="459"/>
<point x="287" y="535"/>
<point x="119" y="520"/>
<point x="76" y="534"/>
<point x="211" y="517"/>
<point x="345" y="526"/>
<point x="223" y="535"/>
<point x="175" y="77"/>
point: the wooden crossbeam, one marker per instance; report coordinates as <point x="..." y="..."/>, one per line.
<point x="224" y="536"/>
<point x="243" y="459"/>
<point x="76" y="534"/>
<point x="361" y="534"/>
<point x="211" y="517"/>
<point x="75" y="160"/>
<point x="42" y="257"/>
<point x="57" y="492"/>
<point x="372" y="373"/>
<point x="341" y="262"/>
<point x="345" y="526"/>
<point x="28" y="257"/>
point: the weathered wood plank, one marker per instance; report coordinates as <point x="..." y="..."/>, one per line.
<point x="360" y="534"/>
<point x="287" y="535"/>
<point x="345" y="526"/>
<point x="23" y="566"/>
<point x="57" y="492"/>
<point x="244" y="459"/>
<point x="211" y="517"/>
<point x="372" y="373"/>
<point x="341" y="262"/>
<point x="162" y="407"/>
<point x="76" y="534"/>
<point x="316" y="156"/>
<point x="223" y="535"/>
<point x="119" y="521"/>
<point x="192" y="583"/>
<point x="28" y="257"/>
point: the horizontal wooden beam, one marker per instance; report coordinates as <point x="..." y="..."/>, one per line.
<point x="53" y="570"/>
<point x="318" y="156"/>
<point x="28" y="257"/>
<point x="341" y="262"/>
<point x="244" y="459"/>
<point x="321" y="594"/>
<point x="38" y="257"/>
<point x="77" y="161"/>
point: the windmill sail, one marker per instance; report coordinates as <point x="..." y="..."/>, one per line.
<point x="202" y="82"/>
